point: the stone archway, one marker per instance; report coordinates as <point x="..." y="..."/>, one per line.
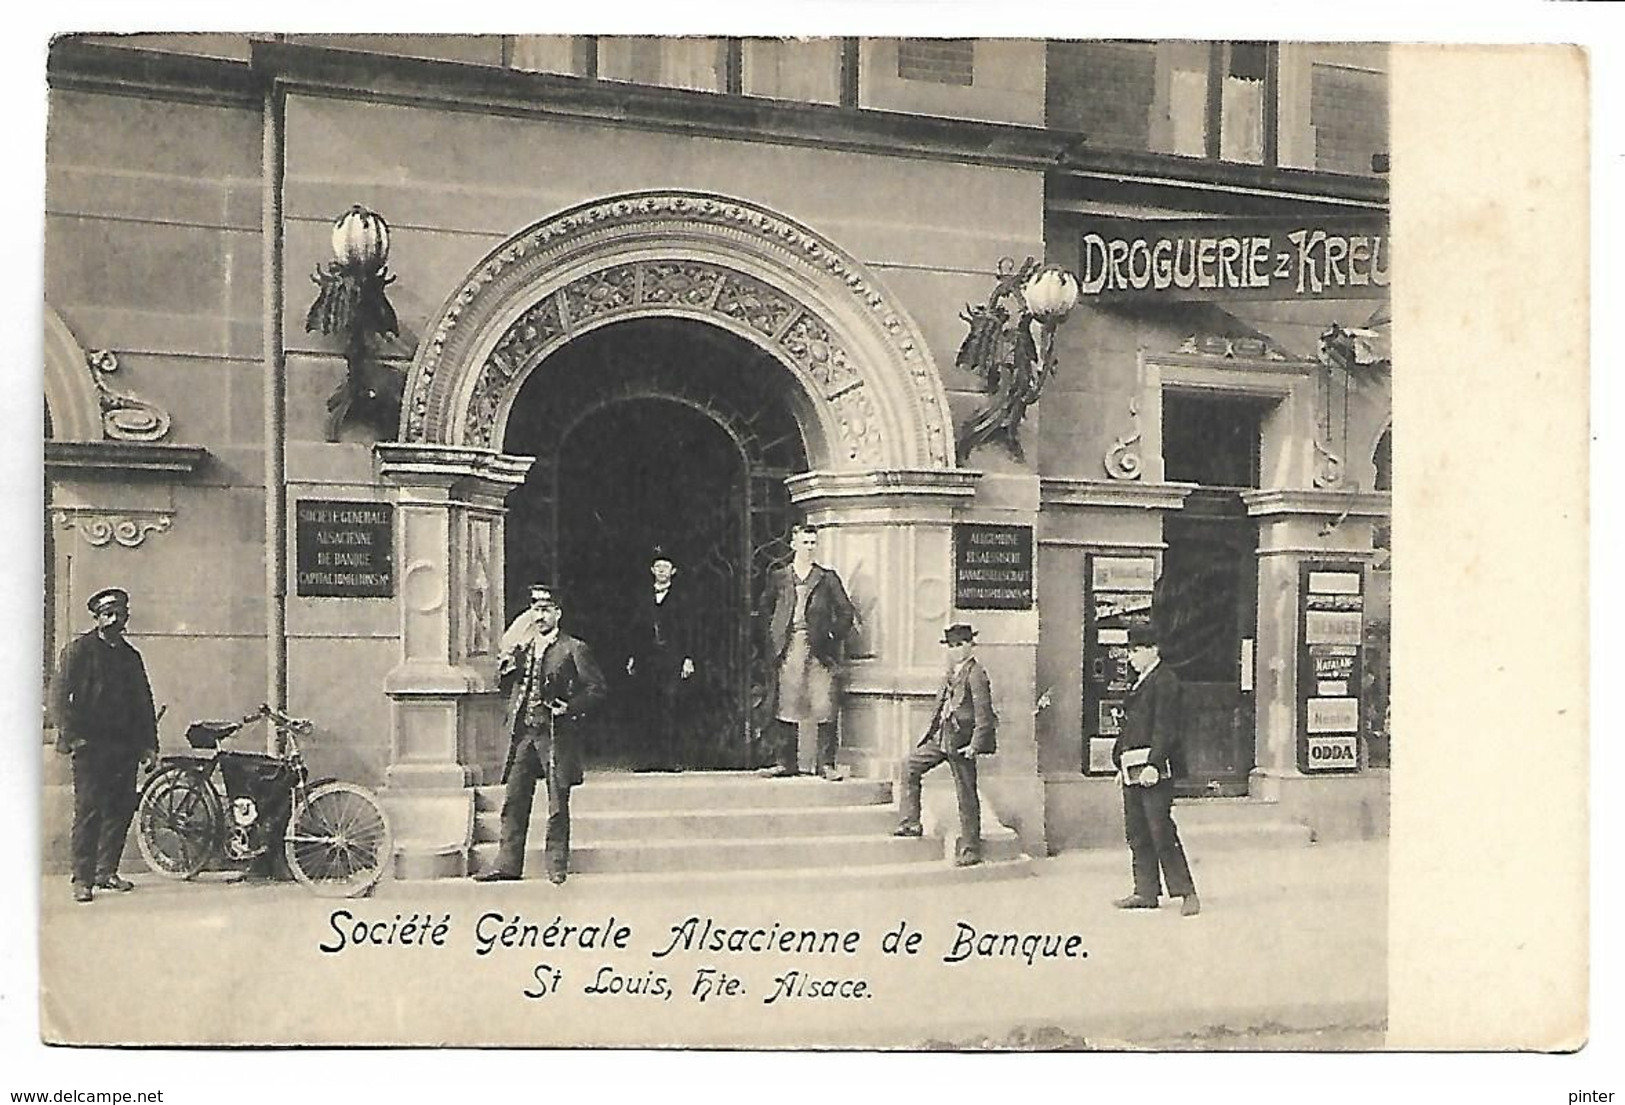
<point x="873" y="393"/>
<point x="867" y="397"/>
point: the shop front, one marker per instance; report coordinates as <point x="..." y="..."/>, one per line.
<point x="1224" y="489"/>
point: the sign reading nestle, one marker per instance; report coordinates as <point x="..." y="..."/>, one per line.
<point x="993" y="567"/>
<point x="344" y="550"/>
<point x="1261" y="258"/>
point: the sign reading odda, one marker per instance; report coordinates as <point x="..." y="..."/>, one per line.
<point x="1261" y="258"/>
<point x="343" y="549"/>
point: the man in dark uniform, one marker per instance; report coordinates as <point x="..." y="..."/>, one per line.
<point x="102" y="703"/>
<point x="1143" y="754"/>
<point x="555" y="685"/>
<point x="963" y="727"/>
<point x="661" y="641"/>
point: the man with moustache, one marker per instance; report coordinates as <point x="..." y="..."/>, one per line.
<point x="102" y="702"/>
<point x="555" y="686"/>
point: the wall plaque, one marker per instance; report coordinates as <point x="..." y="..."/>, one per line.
<point x="344" y="549"/>
<point x="993" y="567"/>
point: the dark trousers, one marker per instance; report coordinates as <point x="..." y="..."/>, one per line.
<point x="923" y="759"/>
<point x="1148" y="822"/>
<point x="104" y="800"/>
<point x="789" y="738"/>
<point x="659" y="732"/>
<point x="516" y="803"/>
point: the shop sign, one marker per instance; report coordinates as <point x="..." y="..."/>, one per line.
<point x="1336" y="257"/>
<point x="1336" y="753"/>
<point x="344" y="549"/>
<point x="993" y="567"/>
<point x="1329" y="671"/>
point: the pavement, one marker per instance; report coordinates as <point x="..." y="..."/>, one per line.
<point x="1288" y="952"/>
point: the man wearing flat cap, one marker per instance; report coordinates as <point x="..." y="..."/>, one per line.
<point x="1143" y="755"/>
<point x="555" y="684"/>
<point x="963" y="727"/>
<point x="102" y="703"/>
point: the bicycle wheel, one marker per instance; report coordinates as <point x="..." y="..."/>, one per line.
<point x="339" y="842"/>
<point x="178" y="822"/>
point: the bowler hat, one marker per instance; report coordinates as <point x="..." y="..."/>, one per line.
<point x="545" y="589"/>
<point x="1143" y="634"/>
<point x="659" y="553"/>
<point x="958" y="634"/>
<point x="106" y="596"/>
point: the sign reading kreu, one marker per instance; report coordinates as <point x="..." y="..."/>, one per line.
<point x="1243" y="258"/>
<point x="344" y="549"/>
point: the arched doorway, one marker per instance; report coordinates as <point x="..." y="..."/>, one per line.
<point x="657" y="432"/>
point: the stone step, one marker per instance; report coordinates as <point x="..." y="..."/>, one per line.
<point x="934" y="872"/>
<point x="1214" y="837"/>
<point x="724" y="824"/>
<point x="707" y="790"/>
<point x="838" y="852"/>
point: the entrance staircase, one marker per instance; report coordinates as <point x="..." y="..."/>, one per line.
<point x="722" y="826"/>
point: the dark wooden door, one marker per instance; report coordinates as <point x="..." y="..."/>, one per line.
<point x="1207" y="605"/>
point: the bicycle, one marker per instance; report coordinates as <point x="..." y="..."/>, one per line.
<point x="238" y="807"/>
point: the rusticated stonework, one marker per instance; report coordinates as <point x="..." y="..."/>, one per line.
<point x="866" y="390"/>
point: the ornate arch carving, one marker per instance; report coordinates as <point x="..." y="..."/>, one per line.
<point x="71" y="399"/>
<point x="872" y="391"/>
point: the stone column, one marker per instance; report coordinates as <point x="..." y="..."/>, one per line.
<point x="443" y="692"/>
<point x="890" y="535"/>
<point x="1297" y="526"/>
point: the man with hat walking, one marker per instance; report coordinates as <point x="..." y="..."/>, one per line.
<point x="102" y="703"/>
<point x="963" y="727"/>
<point x="1143" y="755"/>
<point x="555" y="685"/>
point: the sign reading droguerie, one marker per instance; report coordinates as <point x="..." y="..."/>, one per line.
<point x="343" y="549"/>
<point x="1242" y="258"/>
<point x="993" y="567"/>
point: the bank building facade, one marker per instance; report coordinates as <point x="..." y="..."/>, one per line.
<point x="348" y="339"/>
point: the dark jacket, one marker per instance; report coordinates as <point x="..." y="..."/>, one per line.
<point x="829" y="620"/>
<point x="568" y="672"/>
<point x="661" y="635"/>
<point x="1151" y="715"/>
<point x="971" y="720"/>
<point x="829" y="613"/>
<point x="101" y="698"/>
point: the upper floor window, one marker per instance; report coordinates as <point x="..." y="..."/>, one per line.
<point x="943" y="60"/>
<point x="1300" y="105"/>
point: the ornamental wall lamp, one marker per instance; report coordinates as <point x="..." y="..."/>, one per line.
<point x="1011" y="346"/>
<point x="351" y="301"/>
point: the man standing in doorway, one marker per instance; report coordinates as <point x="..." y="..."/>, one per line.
<point x="808" y="618"/>
<point x="962" y="728"/>
<point x="555" y="685"/>
<point x="102" y="703"/>
<point x="662" y="658"/>
<point x="1143" y="754"/>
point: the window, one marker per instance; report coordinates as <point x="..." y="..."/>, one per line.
<point x="1311" y="106"/>
<point x="808" y="70"/>
<point x="943" y="60"/>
